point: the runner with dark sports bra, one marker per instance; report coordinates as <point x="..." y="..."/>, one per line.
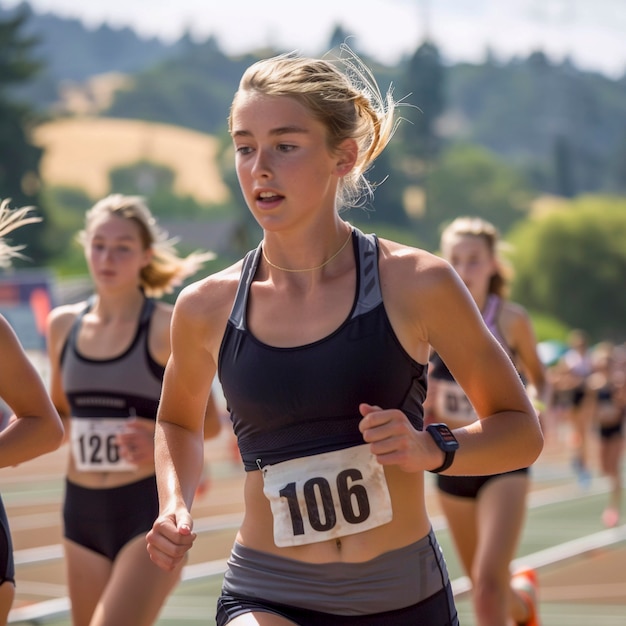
<point x="485" y="513"/>
<point x="321" y="338"/>
<point x="105" y="395"/>
<point x="453" y="407"/>
<point x="107" y="358"/>
<point x="574" y="370"/>
<point x="324" y="430"/>
<point x="607" y="384"/>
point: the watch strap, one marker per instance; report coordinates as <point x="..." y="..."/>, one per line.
<point x="447" y="449"/>
<point x="447" y="462"/>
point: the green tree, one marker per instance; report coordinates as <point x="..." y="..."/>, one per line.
<point x="570" y="263"/>
<point x="67" y="206"/>
<point x="142" y="178"/>
<point x="470" y="180"/>
<point x="563" y="168"/>
<point x="388" y="182"/>
<point x="424" y="80"/>
<point x="617" y="167"/>
<point x="19" y="158"/>
<point x="193" y="89"/>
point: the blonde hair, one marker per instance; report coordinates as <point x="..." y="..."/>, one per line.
<point x="10" y="220"/>
<point x="478" y="227"/>
<point x="166" y="269"/>
<point x="349" y="104"/>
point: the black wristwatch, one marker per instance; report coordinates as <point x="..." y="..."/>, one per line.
<point x="446" y="441"/>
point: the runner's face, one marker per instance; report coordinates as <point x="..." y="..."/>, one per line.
<point x="114" y="251"/>
<point x="283" y="163"/>
<point x="470" y="256"/>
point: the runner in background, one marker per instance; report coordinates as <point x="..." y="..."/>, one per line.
<point x="607" y="386"/>
<point x="34" y="427"/>
<point x="107" y="358"/>
<point x="573" y="371"/>
<point x="486" y="514"/>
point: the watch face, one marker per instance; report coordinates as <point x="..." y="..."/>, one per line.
<point x="445" y="436"/>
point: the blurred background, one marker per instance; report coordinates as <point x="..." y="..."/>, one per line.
<point x="518" y="115"/>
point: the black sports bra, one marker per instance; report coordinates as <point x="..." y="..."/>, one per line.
<point x="287" y="403"/>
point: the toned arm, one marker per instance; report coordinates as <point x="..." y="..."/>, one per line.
<point x="37" y="428"/>
<point x="429" y="306"/>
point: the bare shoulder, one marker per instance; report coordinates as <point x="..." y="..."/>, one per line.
<point x="513" y="309"/>
<point x="405" y="268"/>
<point x="59" y="323"/>
<point x="66" y="312"/>
<point x="211" y="294"/>
<point x="8" y="338"/>
<point x="423" y="296"/>
<point x="513" y="314"/>
<point x="5" y="327"/>
<point x="518" y="330"/>
<point x="62" y="317"/>
<point x="207" y="303"/>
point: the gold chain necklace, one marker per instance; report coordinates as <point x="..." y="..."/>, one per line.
<point x="309" y="269"/>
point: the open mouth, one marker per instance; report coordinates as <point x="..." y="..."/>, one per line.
<point x="268" y="196"/>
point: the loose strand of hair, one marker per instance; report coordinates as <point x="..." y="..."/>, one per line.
<point x="167" y="270"/>
<point x="10" y="220"/>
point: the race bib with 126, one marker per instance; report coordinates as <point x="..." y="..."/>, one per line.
<point x="326" y="496"/>
<point x="94" y="446"/>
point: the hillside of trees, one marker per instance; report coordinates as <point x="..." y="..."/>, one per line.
<point x="69" y="51"/>
<point x="565" y="128"/>
<point x="486" y="139"/>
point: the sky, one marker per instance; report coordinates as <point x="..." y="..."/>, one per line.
<point x="590" y="32"/>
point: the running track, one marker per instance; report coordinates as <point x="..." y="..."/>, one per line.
<point x="582" y="566"/>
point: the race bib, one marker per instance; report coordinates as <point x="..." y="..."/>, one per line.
<point x="451" y="403"/>
<point x="326" y="496"/>
<point x="93" y="445"/>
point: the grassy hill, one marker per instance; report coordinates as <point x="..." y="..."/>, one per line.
<point x="81" y="151"/>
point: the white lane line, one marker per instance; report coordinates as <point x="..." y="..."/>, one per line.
<point x="556" y="554"/>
